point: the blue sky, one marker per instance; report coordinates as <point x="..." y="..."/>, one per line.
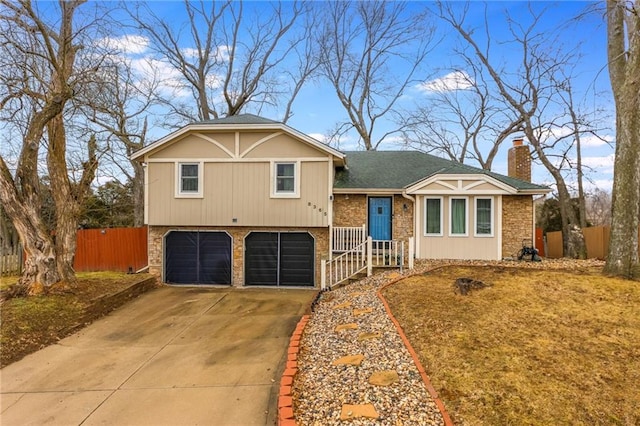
<point x="317" y="109"/>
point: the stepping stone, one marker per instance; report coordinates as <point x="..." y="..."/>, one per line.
<point x="384" y="378"/>
<point x="343" y="305"/>
<point x="356" y="294"/>
<point x="349" y="360"/>
<point x="350" y="411"/>
<point x="394" y="275"/>
<point x="367" y="336"/>
<point x="358" y="312"/>
<point x="349" y="326"/>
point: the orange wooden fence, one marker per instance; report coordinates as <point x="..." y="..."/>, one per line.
<point x="111" y="249"/>
<point x="596" y="239"/>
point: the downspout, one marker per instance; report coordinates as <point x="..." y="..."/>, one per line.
<point x="415" y="221"/>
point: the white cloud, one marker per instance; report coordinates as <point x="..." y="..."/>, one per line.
<point x="603" y="184"/>
<point x="586" y="140"/>
<point x="604" y="164"/>
<point x="456" y="80"/>
<point x="319" y="137"/>
<point x="222" y="53"/>
<point x="171" y="80"/>
<point x="129" y="44"/>
<point x="594" y="141"/>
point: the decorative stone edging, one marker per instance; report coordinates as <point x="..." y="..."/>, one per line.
<point x="432" y="391"/>
<point x="285" y="400"/>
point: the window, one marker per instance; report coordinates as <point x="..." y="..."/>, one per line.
<point x="484" y="217"/>
<point x="285" y="180"/>
<point x="433" y="216"/>
<point x="458" y="214"/>
<point x="189" y="180"/>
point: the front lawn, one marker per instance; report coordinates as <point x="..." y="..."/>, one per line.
<point x="537" y="347"/>
<point x="32" y="323"/>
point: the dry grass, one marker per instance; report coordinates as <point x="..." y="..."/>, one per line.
<point x="28" y="324"/>
<point x="538" y="347"/>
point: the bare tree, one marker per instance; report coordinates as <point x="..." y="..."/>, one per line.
<point x="623" y="51"/>
<point x="598" y="205"/>
<point x="41" y="72"/>
<point x="371" y="52"/>
<point x="462" y="119"/>
<point x="529" y="93"/>
<point x="120" y="104"/>
<point x="235" y="56"/>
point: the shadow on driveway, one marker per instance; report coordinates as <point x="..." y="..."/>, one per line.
<point x="173" y="356"/>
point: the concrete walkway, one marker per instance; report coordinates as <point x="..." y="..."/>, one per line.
<point x="174" y="356"/>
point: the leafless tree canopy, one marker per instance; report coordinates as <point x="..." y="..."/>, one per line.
<point x="531" y="91"/>
<point x="363" y="47"/>
<point x="234" y="59"/>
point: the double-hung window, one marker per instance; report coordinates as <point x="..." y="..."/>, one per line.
<point x="189" y="180"/>
<point x="433" y="216"/>
<point x="458" y="217"/>
<point x="484" y="217"/>
<point x="285" y="179"/>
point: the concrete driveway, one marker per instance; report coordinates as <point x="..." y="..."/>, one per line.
<point x="174" y="356"/>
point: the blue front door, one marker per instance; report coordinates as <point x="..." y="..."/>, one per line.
<point x="380" y="218"/>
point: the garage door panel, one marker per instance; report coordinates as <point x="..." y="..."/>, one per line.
<point x="261" y="258"/>
<point x="215" y="258"/>
<point x="181" y="260"/>
<point x="285" y="259"/>
<point x="296" y="259"/>
<point x="193" y="257"/>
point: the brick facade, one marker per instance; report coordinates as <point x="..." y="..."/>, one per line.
<point x="238" y="234"/>
<point x="517" y="222"/>
<point x="351" y="210"/>
<point x="519" y="161"/>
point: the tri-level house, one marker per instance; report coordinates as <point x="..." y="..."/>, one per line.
<point x="248" y="201"/>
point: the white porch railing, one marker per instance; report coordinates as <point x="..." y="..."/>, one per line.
<point x="346" y="238"/>
<point x="387" y="253"/>
<point x="346" y="265"/>
<point x="366" y="255"/>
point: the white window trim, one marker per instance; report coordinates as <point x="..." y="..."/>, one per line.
<point x="296" y="180"/>
<point x="441" y="233"/>
<point x="475" y="214"/>
<point x="466" y="217"/>
<point x="179" y="192"/>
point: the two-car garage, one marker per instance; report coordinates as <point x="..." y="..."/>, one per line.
<point x="270" y="258"/>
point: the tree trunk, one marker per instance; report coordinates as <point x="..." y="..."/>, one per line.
<point x="624" y="68"/>
<point x="622" y="259"/>
<point x="572" y="237"/>
<point x="40" y="272"/>
<point x="137" y="183"/>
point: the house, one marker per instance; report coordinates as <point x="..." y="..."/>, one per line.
<point x="248" y="201"/>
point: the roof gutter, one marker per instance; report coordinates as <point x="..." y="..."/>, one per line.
<point x="367" y="191"/>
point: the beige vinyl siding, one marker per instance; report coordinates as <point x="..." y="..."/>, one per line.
<point x="283" y="146"/>
<point x="191" y="146"/>
<point x="460" y="186"/>
<point x="237" y="181"/>
<point x="248" y="139"/>
<point x="459" y="247"/>
<point x="241" y="191"/>
<point x="435" y="185"/>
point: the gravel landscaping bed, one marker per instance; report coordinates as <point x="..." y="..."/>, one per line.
<point x="321" y="388"/>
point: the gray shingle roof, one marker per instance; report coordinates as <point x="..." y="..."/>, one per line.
<point x="240" y="119"/>
<point x="395" y="170"/>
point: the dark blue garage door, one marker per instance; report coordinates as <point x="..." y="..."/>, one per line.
<point x="193" y="257"/>
<point x="279" y="259"/>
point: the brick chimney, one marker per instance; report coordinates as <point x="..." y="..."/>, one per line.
<point x="519" y="160"/>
